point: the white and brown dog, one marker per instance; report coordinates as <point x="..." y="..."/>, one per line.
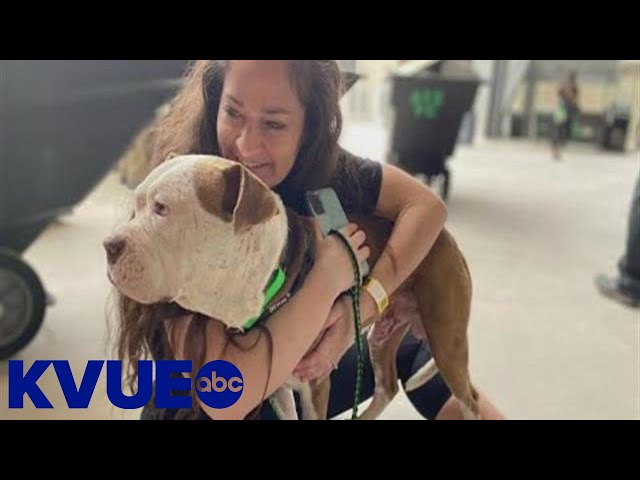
<point x="208" y="234"/>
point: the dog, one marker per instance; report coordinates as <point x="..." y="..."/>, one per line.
<point x="207" y="235"/>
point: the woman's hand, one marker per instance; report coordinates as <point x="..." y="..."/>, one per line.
<point x="333" y="261"/>
<point x="336" y="340"/>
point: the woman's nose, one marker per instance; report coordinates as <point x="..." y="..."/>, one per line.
<point x="249" y="143"/>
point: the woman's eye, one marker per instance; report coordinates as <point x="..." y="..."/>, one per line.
<point x="276" y="125"/>
<point x="232" y="112"/>
<point x="160" y="209"/>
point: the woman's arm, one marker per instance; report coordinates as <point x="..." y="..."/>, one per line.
<point x="419" y="216"/>
<point x="294" y="327"/>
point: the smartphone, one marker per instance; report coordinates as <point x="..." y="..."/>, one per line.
<point x="326" y="208"/>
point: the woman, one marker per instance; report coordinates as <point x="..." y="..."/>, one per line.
<point x="281" y="119"/>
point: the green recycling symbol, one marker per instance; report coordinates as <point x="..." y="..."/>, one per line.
<point x="426" y="103"/>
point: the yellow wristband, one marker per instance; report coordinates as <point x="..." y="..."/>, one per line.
<point x="379" y="294"/>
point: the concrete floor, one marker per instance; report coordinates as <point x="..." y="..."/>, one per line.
<point x="544" y="343"/>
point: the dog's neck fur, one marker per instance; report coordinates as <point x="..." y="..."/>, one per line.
<point x="232" y="289"/>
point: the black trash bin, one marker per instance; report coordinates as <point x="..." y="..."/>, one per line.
<point x="615" y="130"/>
<point x="428" y="110"/>
<point x="63" y="125"/>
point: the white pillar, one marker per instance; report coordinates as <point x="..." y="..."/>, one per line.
<point x="481" y="107"/>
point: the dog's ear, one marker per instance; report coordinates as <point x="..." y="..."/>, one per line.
<point x="233" y="194"/>
<point x="213" y="190"/>
<point x="253" y="202"/>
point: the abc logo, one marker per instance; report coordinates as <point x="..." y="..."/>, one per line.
<point x="219" y="384"/>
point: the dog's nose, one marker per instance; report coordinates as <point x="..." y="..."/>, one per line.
<point x="114" y="247"/>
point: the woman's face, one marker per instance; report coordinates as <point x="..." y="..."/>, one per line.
<point x="261" y="119"/>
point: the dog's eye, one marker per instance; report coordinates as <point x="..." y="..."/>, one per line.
<point x="160" y="209"/>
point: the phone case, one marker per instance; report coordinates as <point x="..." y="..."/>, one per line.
<point x="328" y="212"/>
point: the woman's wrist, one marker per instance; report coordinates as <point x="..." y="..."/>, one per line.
<point x="324" y="288"/>
<point x="368" y="308"/>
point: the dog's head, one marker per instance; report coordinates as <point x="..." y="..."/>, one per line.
<point x="206" y="233"/>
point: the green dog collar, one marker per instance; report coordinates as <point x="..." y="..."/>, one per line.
<point x="277" y="282"/>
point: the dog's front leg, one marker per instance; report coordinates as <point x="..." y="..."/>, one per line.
<point x="306" y="399"/>
<point x="320" y="397"/>
<point x="284" y="403"/>
<point x="383" y="348"/>
<point x="313" y="397"/>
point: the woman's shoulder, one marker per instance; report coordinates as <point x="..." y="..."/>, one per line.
<point x="351" y="161"/>
<point x="357" y="182"/>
